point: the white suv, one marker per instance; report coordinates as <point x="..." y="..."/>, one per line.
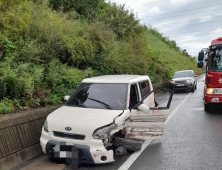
<point x="106" y="114"/>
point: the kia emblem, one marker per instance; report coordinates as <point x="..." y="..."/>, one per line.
<point x="220" y="80"/>
<point x="68" y="128"/>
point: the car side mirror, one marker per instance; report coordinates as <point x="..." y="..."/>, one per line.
<point x="201" y="55"/>
<point x="195" y="75"/>
<point x="66" y="98"/>
<point x="144" y="108"/>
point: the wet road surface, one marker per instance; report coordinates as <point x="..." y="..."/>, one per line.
<point x="192" y="140"/>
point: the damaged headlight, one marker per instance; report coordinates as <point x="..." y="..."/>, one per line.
<point x="46" y="126"/>
<point x="103" y="132"/>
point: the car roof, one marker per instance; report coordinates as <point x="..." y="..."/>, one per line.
<point x="116" y="79"/>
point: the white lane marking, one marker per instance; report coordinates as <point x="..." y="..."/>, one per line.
<point x="177" y="108"/>
<point x="126" y="165"/>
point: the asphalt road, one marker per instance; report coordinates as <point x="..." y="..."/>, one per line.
<point x="192" y="140"/>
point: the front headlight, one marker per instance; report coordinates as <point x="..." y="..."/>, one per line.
<point x="213" y="90"/>
<point x="187" y="81"/>
<point x="172" y="81"/>
<point x="46" y="126"/>
<point x="103" y="132"/>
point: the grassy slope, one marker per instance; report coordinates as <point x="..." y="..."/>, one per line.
<point x="44" y="54"/>
<point x="169" y="59"/>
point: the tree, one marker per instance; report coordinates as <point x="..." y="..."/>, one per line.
<point x="184" y="52"/>
<point x="86" y="8"/>
<point x="121" y="20"/>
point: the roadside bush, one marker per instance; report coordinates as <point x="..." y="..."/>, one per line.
<point x="62" y="79"/>
<point x="21" y="81"/>
<point x="6" y="106"/>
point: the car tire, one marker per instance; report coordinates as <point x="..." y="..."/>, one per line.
<point x="193" y="89"/>
<point x="207" y="107"/>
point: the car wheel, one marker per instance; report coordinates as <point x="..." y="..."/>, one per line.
<point x="193" y="88"/>
<point x="207" y="107"/>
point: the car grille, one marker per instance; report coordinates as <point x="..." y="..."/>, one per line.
<point x="180" y="82"/>
<point x="69" y="135"/>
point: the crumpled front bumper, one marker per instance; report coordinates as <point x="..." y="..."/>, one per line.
<point x="92" y="149"/>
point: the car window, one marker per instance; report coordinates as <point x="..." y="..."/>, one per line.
<point x="134" y="96"/>
<point x="215" y="61"/>
<point x="99" y="96"/>
<point x="183" y="74"/>
<point x="145" y="88"/>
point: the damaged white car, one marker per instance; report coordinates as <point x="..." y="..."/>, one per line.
<point x="106" y="115"/>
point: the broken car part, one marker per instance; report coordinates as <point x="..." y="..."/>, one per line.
<point x="128" y="144"/>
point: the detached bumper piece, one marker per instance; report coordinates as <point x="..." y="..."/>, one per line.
<point x="128" y="144"/>
<point x="83" y="151"/>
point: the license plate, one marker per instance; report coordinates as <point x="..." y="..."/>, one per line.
<point x="65" y="151"/>
<point x="180" y="85"/>
<point x="68" y="154"/>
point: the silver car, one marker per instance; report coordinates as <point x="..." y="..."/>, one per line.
<point x="183" y="80"/>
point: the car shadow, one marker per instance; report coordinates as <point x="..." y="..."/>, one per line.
<point x="182" y="91"/>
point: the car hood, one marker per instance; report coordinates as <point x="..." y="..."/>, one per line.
<point x="181" y="79"/>
<point x="82" y="120"/>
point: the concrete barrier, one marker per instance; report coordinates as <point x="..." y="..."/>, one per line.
<point x="19" y="136"/>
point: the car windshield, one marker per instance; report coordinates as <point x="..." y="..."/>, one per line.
<point x="215" y="62"/>
<point x="99" y="96"/>
<point x="182" y="74"/>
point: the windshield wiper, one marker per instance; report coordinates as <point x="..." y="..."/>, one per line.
<point x="80" y="102"/>
<point x="102" y="103"/>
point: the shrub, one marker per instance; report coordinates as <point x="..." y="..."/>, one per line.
<point x="6" y="106"/>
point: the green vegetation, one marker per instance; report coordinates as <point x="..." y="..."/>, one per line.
<point x="48" y="47"/>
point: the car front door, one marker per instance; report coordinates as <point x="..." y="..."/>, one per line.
<point x="147" y="124"/>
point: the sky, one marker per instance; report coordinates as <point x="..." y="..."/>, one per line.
<point x="193" y="24"/>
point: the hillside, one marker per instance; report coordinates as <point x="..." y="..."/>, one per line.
<point x="167" y="60"/>
<point x="46" y="50"/>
